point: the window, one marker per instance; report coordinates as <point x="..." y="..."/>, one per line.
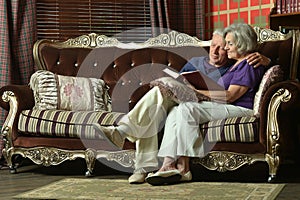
<point x="127" y="20"/>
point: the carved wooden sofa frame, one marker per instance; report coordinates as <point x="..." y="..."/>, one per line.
<point x="280" y="99"/>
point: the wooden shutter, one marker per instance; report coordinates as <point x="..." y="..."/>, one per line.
<point x="128" y="20"/>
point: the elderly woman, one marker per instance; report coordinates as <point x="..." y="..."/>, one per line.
<point x="182" y="138"/>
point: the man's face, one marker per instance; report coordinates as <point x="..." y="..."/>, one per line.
<point x="217" y="52"/>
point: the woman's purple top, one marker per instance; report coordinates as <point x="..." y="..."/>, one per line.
<point x="245" y="75"/>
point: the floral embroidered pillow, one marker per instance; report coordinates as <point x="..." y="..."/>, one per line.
<point x="272" y="75"/>
<point x="177" y="90"/>
<point x="52" y="91"/>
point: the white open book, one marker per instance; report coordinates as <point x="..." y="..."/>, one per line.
<point x="196" y="78"/>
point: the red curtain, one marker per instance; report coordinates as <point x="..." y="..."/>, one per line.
<point x="186" y="16"/>
<point x="17" y="35"/>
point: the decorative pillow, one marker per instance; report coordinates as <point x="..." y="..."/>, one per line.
<point x="272" y="75"/>
<point x="177" y="90"/>
<point x="52" y="91"/>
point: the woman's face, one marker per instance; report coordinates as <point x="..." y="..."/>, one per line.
<point x="230" y="47"/>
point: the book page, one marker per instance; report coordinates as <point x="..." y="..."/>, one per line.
<point x="171" y="73"/>
<point x="201" y="81"/>
<point x="196" y="78"/>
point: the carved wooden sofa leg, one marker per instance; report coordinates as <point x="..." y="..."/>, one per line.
<point x="273" y="163"/>
<point x="90" y="159"/>
<point x="8" y="157"/>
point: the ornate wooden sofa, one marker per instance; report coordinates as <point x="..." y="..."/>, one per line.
<point x="26" y="130"/>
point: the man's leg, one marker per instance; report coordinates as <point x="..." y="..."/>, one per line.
<point x="141" y="126"/>
<point x="145" y="159"/>
<point x="145" y="120"/>
<point x="147" y="117"/>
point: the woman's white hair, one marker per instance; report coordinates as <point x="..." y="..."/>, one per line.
<point x="245" y="38"/>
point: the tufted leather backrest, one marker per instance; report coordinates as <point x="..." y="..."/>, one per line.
<point x="127" y="72"/>
<point x="131" y="71"/>
<point x="64" y="61"/>
<point x="282" y="49"/>
<point x="128" y="69"/>
<point x="279" y="52"/>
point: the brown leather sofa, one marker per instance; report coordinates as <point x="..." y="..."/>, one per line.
<point x="102" y="57"/>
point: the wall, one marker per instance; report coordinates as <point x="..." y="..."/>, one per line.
<point x="221" y="13"/>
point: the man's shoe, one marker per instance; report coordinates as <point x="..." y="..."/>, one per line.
<point x="111" y="134"/>
<point x="137" y="178"/>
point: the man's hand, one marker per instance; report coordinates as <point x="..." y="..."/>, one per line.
<point x="256" y="59"/>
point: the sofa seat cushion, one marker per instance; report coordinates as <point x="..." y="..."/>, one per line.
<point x="61" y="123"/>
<point x="236" y="129"/>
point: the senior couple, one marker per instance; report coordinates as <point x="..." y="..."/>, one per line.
<point x="182" y="138"/>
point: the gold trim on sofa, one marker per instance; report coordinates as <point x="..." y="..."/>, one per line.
<point x="265" y="35"/>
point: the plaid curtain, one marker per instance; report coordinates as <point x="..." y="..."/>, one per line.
<point x="186" y="16"/>
<point x="159" y="17"/>
<point x="17" y="35"/>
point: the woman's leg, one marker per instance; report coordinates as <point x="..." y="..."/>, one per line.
<point x="168" y="164"/>
<point x="182" y="138"/>
<point x="189" y="116"/>
<point x="183" y="164"/>
<point x="170" y="140"/>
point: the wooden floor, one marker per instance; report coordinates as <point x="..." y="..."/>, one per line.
<point x="31" y="176"/>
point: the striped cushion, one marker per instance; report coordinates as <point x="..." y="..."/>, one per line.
<point x="58" y="123"/>
<point x="78" y="124"/>
<point x="236" y="129"/>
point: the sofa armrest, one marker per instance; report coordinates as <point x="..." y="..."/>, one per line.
<point x="278" y="113"/>
<point x="289" y="102"/>
<point x="291" y="87"/>
<point x="15" y="98"/>
<point x="23" y="94"/>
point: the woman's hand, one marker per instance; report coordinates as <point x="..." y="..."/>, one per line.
<point x="233" y="93"/>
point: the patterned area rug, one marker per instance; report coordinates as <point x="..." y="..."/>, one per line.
<point x="94" y="188"/>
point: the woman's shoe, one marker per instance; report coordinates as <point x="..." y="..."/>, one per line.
<point x="165" y="177"/>
<point x="186" y="177"/>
